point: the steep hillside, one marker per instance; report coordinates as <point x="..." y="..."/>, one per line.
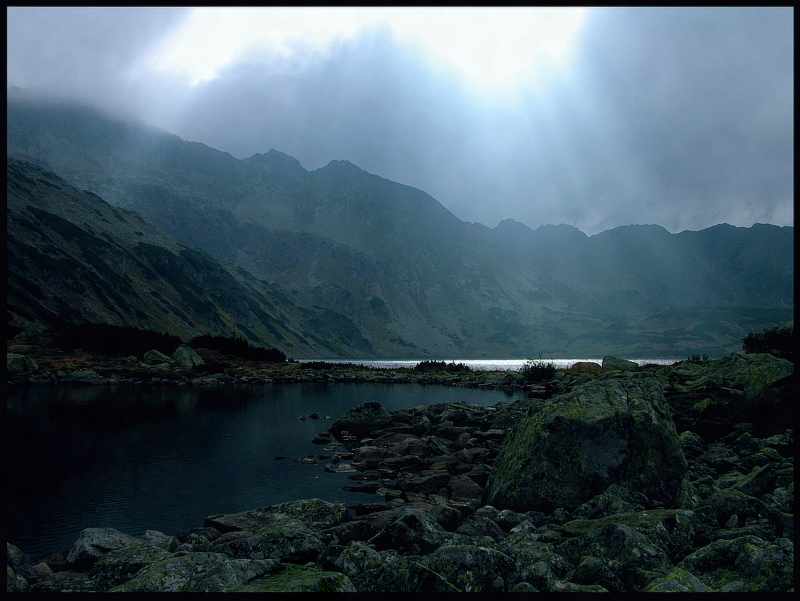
<point x="73" y="258"/>
<point x="396" y="274"/>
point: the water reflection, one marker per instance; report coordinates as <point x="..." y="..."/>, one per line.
<point x="165" y="457"/>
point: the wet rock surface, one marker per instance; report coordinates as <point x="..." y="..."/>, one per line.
<point x="654" y="506"/>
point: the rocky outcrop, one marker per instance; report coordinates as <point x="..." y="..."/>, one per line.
<point x="667" y="511"/>
<point x="156" y="358"/>
<point x="614" y="364"/>
<point x="20" y="364"/>
<point x="187" y="357"/>
<point x="711" y="397"/>
<point x="574" y="446"/>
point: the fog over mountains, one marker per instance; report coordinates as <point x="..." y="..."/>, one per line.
<point x="181" y="237"/>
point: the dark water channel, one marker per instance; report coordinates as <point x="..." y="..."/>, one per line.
<point x="164" y="458"/>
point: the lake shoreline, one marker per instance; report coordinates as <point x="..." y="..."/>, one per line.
<point x="438" y="524"/>
<point x="37" y="362"/>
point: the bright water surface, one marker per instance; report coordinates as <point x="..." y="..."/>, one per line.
<point x="482" y="364"/>
<point x="166" y="457"/>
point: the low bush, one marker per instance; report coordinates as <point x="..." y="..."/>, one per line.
<point x="537" y="370"/>
<point x="442" y="367"/>
<point x="778" y="341"/>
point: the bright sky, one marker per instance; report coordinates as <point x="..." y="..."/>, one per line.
<point x="595" y="117"/>
<point x="490" y="46"/>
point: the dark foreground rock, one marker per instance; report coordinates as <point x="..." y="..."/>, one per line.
<point x="627" y="502"/>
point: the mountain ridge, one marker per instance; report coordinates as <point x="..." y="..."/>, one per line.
<point x="411" y="277"/>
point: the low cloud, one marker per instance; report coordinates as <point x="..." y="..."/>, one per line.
<point x="681" y="117"/>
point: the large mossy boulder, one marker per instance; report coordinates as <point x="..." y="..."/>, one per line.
<point x="363" y="420"/>
<point x="574" y="446"/>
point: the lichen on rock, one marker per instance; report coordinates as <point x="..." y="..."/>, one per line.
<point x="573" y="446"/>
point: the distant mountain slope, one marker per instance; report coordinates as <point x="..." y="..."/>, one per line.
<point x="74" y="258"/>
<point x="401" y="274"/>
<point x="643" y="269"/>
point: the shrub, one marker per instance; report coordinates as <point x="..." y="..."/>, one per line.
<point x="778" y="341"/>
<point x="537" y="370"/>
<point x="442" y="366"/>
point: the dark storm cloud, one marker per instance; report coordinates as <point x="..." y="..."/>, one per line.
<point x="681" y="117"/>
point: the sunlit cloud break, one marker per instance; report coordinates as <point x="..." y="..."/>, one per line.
<point x="489" y="46"/>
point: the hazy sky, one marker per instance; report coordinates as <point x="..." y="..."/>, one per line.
<point x="597" y="118"/>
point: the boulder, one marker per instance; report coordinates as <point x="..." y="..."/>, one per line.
<point x="744" y="564"/>
<point x="120" y="565"/>
<point x="467" y="568"/>
<point x="85" y="375"/>
<point x="584" y="367"/>
<point x="713" y="397"/>
<point x="196" y="572"/>
<point x="613" y="363"/>
<point x="412" y="532"/>
<point x="363" y="420"/>
<point x="187" y="357"/>
<point x="93" y="543"/>
<point x="20" y="364"/>
<point x="573" y="446"/>
<point x="155" y="358"/>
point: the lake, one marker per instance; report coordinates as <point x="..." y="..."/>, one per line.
<point x="166" y="457"/>
<point x="482" y="364"/>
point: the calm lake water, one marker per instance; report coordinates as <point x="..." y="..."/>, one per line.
<point x="165" y="458"/>
<point x="483" y="364"/>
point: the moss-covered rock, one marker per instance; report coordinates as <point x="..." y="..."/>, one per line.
<point x="299" y="579"/>
<point x="573" y="446"/>
<point x="677" y="581"/>
<point x="744" y="564"/>
<point x="468" y="568"/>
<point x="196" y="572"/>
<point x="363" y="420"/>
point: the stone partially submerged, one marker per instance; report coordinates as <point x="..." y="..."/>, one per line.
<point x="574" y="446"/>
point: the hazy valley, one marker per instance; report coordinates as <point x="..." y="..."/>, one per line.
<point x="179" y="237"/>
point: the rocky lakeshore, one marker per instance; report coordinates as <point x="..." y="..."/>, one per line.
<point x="615" y="479"/>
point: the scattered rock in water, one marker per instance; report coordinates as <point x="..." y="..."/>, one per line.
<point x="720" y="520"/>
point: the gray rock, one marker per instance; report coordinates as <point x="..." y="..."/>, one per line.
<point x="573" y="446"/>
<point x="464" y="488"/>
<point x="613" y="363"/>
<point x="20" y="364"/>
<point x="678" y="581"/>
<point x="86" y="376"/>
<point x="620" y="545"/>
<point x="120" y="565"/>
<point x="744" y="564"/>
<point x="155" y="358"/>
<point x="413" y="532"/>
<point x="187" y="357"/>
<point x="466" y="568"/>
<point x="196" y="572"/>
<point x="93" y="543"/>
<point x="362" y="421"/>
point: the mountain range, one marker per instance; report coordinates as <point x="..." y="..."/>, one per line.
<point x="115" y="222"/>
